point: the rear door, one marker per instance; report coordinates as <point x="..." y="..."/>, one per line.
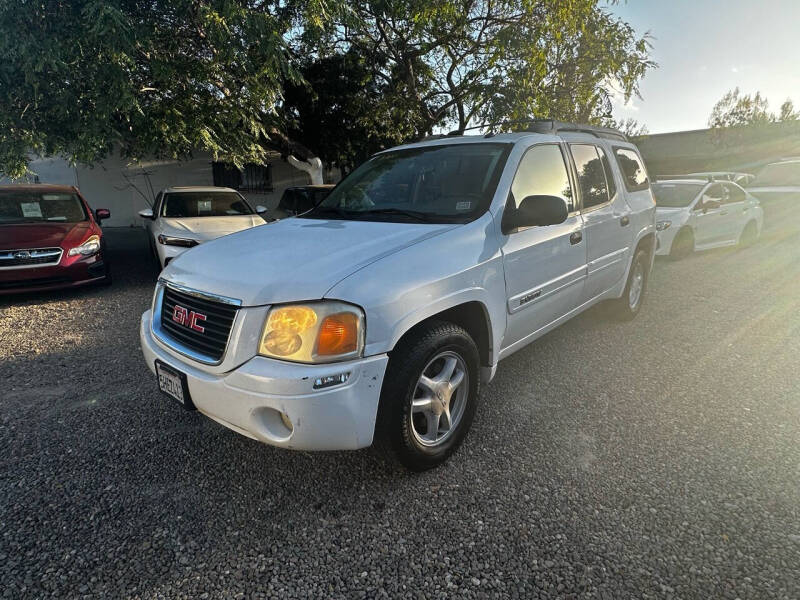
<point x="606" y="217"/>
<point x="545" y="267"/>
<point x="733" y="211"/>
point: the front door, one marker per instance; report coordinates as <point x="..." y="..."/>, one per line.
<point x="545" y="267"/>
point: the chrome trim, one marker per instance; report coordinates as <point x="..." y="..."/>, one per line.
<point x="198" y="294"/>
<point x="172" y="343"/>
<point x="34" y="253"/>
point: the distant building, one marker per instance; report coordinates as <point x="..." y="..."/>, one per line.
<point x="126" y="187"/>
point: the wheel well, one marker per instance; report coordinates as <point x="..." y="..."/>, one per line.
<point x="472" y="317"/>
<point x="647" y="243"/>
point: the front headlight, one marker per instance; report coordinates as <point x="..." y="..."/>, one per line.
<point x="662" y="225"/>
<point x="313" y="332"/>
<point x="87" y="248"/>
<point x="169" y="240"/>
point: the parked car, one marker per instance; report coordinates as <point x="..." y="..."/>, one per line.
<point x="777" y="181"/>
<point x="49" y="238"/>
<point x="742" y="179"/>
<point x="183" y="217"/>
<point x="700" y="215"/>
<point x="379" y="313"/>
<point x="299" y="199"/>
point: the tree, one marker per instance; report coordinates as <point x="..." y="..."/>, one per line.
<point x="736" y="109"/>
<point x="150" y="77"/>
<point x="788" y="113"/>
<point x="455" y="63"/>
<point x="630" y="127"/>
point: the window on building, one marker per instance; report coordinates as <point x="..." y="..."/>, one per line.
<point x="251" y="178"/>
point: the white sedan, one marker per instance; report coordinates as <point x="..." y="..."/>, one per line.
<point x="700" y="215"/>
<point x="183" y="217"/>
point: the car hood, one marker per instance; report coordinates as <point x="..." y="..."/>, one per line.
<point x="42" y="235"/>
<point x="293" y="259"/>
<point x="208" y="228"/>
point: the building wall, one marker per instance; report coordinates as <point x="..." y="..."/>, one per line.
<point x="125" y="187"/>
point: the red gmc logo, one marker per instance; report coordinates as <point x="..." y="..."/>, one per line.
<point x="188" y="318"/>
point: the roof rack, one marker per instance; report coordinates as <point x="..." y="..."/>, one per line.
<point x="552" y="126"/>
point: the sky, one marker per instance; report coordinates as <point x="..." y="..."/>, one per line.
<point x="705" y="48"/>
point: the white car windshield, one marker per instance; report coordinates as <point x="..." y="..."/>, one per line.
<point x="37" y="207"/>
<point x="444" y="184"/>
<point x="675" y="195"/>
<point x="179" y="205"/>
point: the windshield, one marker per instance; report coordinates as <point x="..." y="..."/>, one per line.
<point x="437" y="184"/>
<point x="778" y="174"/>
<point x="676" y="195"/>
<point x="37" y="207"/>
<point x="179" y="205"/>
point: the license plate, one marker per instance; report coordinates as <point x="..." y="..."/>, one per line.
<point x="173" y="384"/>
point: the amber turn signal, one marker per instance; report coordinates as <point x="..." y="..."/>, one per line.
<point x="338" y="334"/>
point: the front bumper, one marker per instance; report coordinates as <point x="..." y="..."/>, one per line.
<point x="250" y="398"/>
<point x="69" y="272"/>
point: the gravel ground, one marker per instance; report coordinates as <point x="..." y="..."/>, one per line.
<point x="651" y="459"/>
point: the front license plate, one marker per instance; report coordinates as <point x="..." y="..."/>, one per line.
<point x="173" y="384"/>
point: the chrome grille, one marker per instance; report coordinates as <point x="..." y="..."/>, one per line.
<point x="29" y="257"/>
<point x="219" y="316"/>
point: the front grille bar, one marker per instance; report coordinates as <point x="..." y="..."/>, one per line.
<point x="29" y="257"/>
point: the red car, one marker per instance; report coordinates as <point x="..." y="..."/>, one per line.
<point x="49" y="238"/>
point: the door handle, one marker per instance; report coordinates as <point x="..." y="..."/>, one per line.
<point x="624" y="221"/>
<point x="575" y="238"/>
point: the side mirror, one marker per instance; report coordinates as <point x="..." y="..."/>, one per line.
<point x="102" y="213"/>
<point x="535" y="211"/>
<point x="261" y="209"/>
<point x="147" y="213"/>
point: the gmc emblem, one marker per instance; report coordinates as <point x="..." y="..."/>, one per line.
<point x="188" y="318"/>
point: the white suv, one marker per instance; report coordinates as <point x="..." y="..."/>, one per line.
<point x="379" y="313"/>
<point x="700" y="215"/>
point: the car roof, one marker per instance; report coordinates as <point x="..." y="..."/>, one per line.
<point x="34" y="187"/>
<point x="513" y="138"/>
<point x="196" y="188"/>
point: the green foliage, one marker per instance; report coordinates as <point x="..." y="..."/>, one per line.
<point x="150" y="77"/>
<point x="736" y="109"/>
<point x="165" y="78"/>
<point x="788" y="113"/>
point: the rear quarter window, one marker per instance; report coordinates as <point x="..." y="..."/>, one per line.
<point x="632" y="167"/>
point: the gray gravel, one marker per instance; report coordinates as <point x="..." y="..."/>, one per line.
<point x="652" y="459"/>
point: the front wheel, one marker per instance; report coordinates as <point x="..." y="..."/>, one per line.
<point x="429" y="394"/>
<point x="682" y="245"/>
<point x="749" y="235"/>
<point x="628" y="306"/>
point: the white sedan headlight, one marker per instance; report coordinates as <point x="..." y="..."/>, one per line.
<point x="87" y="248"/>
<point x="662" y="225"/>
<point x="170" y="240"/>
<point x="313" y="332"/>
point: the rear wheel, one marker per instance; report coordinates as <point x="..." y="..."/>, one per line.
<point x="429" y="395"/>
<point x="628" y="305"/>
<point x="749" y="235"/>
<point x="682" y="245"/>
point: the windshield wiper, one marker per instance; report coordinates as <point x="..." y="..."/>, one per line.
<point x="327" y="210"/>
<point x="414" y="214"/>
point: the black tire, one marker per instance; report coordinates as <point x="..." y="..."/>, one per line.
<point x="623" y="308"/>
<point x="419" y="350"/>
<point x="682" y="245"/>
<point x="749" y="235"/>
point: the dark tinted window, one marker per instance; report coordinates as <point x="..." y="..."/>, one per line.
<point x="612" y="186"/>
<point x="204" y="204"/>
<point x="735" y="193"/>
<point x="713" y="192"/>
<point x="676" y="195"/>
<point x="591" y="175"/>
<point x="27" y="207"/>
<point x="633" y="171"/>
<point x="542" y="172"/>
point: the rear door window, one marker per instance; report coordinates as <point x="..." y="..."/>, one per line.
<point x="734" y="194"/>
<point x="591" y="174"/>
<point x="633" y="171"/>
